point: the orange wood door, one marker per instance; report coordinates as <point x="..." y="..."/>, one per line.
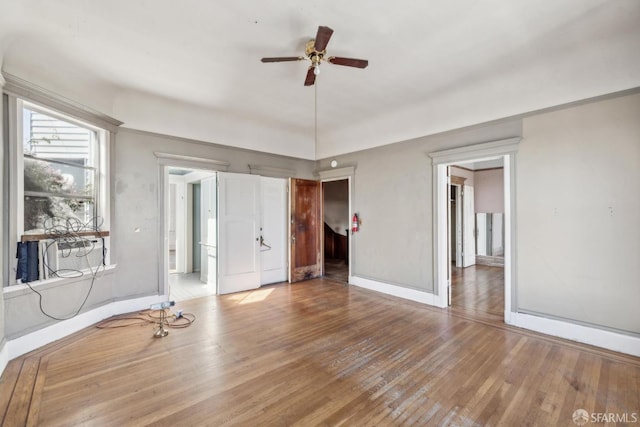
<point x="306" y="234"/>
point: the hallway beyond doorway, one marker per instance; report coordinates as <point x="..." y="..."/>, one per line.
<point x="186" y="286"/>
<point x="336" y="269"/>
<point x="478" y="289"/>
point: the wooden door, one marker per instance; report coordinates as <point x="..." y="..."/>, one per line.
<point x="238" y="232"/>
<point x="306" y="232"/>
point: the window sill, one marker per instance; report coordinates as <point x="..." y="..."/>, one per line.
<point x="32" y="237"/>
<point x="21" y="289"/>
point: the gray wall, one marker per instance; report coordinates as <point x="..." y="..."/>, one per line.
<point x="578" y="186"/>
<point x="579" y="214"/>
<point x="578" y="210"/>
<point x="489" y="190"/>
<point x="136" y="200"/>
<point x="22" y="312"/>
<point x="393" y="195"/>
<point x="134" y="204"/>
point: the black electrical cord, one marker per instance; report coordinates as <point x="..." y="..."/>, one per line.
<point x="66" y="231"/>
<point x="146" y="317"/>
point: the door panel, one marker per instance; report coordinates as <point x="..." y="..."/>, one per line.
<point x="273" y="247"/>
<point x="208" y="231"/>
<point x="306" y="222"/>
<point x="468" y="236"/>
<point x="238" y="232"/>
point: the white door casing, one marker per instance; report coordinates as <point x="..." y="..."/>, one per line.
<point x="505" y="149"/>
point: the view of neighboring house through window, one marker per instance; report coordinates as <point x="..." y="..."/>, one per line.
<point x="60" y="162"/>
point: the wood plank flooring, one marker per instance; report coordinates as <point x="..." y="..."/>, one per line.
<point x="478" y="289"/>
<point x="315" y="353"/>
<point x="336" y="269"/>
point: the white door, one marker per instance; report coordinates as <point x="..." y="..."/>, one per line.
<point x="273" y="237"/>
<point x="459" y="222"/>
<point x="481" y="240"/>
<point x="208" y="231"/>
<point x="238" y="232"/>
<point x="497" y="241"/>
<point x="468" y="237"/>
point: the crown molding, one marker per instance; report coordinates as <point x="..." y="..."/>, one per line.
<point x="28" y="91"/>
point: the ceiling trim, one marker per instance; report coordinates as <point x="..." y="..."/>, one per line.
<point x="21" y="88"/>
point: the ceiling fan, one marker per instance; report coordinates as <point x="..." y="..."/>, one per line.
<point x="315" y="51"/>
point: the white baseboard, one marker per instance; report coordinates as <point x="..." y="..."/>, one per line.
<point x="584" y="334"/>
<point x="398" y="291"/>
<point x="26" y="343"/>
<point x="4" y="357"/>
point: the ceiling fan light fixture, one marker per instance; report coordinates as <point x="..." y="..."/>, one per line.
<point x="315" y="51"/>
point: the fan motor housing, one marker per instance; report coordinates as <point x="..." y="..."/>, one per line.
<point x="311" y="52"/>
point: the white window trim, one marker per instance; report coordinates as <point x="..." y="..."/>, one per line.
<point x="18" y="91"/>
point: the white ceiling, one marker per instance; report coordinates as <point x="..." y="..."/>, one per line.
<point x="192" y="68"/>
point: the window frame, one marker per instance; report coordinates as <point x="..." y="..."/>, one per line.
<point x="19" y="94"/>
<point x="97" y="140"/>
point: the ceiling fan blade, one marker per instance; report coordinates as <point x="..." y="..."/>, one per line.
<point x="311" y="77"/>
<point x="283" y="59"/>
<point x="349" y="62"/>
<point x="322" y="38"/>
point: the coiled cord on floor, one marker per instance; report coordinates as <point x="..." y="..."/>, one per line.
<point x="146" y="317"/>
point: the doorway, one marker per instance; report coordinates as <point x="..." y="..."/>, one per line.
<point x="335" y="202"/>
<point x="192" y="198"/>
<point x="504" y="151"/>
<point x="207" y="210"/>
<point x="476" y="187"/>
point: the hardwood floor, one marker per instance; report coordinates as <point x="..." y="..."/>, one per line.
<point x="336" y="269"/>
<point x="315" y="353"/>
<point x="478" y="289"/>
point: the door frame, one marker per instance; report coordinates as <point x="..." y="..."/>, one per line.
<point x="457" y="188"/>
<point x="165" y="161"/>
<point x="505" y="149"/>
<point x="340" y="174"/>
<point x="350" y="210"/>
